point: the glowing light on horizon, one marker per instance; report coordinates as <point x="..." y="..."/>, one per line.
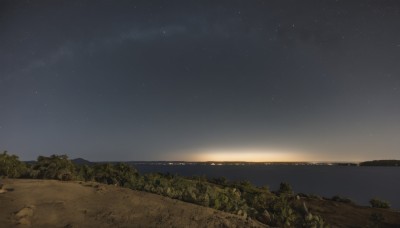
<point x="246" y="155"/>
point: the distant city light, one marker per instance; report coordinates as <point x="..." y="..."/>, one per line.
<point x="248" y="155"/>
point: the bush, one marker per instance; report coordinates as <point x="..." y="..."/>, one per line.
<point x="341" y="199"/>
<point x="119" y="174"/>
<point x="314" y="221"/>
<point x="10" y="166"/>
<point x="377" y="203"/>
<point x="57" y="167"/>
<point x="219" y="180"/>
<point x="85" y="173"/>
<point x="285" y="188"/>
<point x="283" y="215"/>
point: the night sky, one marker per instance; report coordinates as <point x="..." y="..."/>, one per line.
<point x="249" y="80"/>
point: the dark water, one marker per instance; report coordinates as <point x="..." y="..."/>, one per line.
<point x="357" y="183"/>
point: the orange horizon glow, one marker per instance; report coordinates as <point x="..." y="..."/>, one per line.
<point x="244" y="155"/>
<point x="256" y="154"/>
<point x="250" y="157"/>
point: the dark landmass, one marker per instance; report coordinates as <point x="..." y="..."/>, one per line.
<point x="240" y="163"/>
<point x="81" y="161"/>
<point x="381" y="163"/>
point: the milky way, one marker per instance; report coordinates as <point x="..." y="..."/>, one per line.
<point x="178" y="80"/>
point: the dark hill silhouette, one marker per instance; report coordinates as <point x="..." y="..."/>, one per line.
<point x="381" y="163"/>
<point x="81" y="161"/>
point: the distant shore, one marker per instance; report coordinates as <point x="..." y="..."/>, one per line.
<point x="364" y="163"/>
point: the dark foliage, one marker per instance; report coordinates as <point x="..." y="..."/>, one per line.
<point x="341" y="199"/>
<point x="285" y="189"/>
<point x="57" y="167"/>
<point x="377" y="203"/>
<point x="10" y="166"/>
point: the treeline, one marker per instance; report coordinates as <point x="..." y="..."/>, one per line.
<point x="281" y="208"/>
<point x="59" y="167"/>
<point x="381" y="163"/>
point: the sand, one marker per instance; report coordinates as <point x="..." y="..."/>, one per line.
<point x="50" y="203"/>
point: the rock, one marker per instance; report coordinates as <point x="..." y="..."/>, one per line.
<point x="24" y="221"/>
<point x="24" y="215"/>
<point x="25" y="212"/>
<point x="305" y="208"/>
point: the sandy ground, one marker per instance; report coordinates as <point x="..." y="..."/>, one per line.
<point x="48" y="203"/>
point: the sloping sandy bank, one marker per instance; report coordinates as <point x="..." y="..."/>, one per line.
<point x="49" y="203"/>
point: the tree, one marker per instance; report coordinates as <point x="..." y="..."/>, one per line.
<point x="120" y="174"/>
<point x="377" y="203"/>
<point x="285" y="188"/>
<point x="57" y="167"/>
<point x="85" y="172"/>
<point x="11" y="166"/>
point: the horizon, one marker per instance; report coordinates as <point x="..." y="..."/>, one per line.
<point x="218" y="161"/>
<point x="210" y="80"/>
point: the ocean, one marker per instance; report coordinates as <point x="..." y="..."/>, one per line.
<point x="360" y="184"/>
